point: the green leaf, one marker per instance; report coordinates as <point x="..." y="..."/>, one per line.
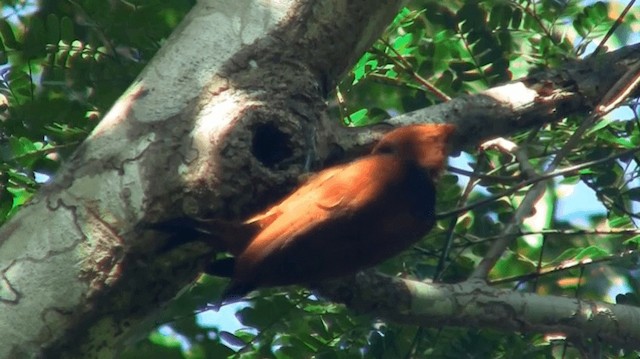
<point x="578" y="254"/>
<point x="600" y="125"/>
<point x="401" y="43"/>
<point x="633" y="194"/>
<point x="3" y="53"/>
<point x="21" y="146"/>
<point x="53" y="29"/>
<point x="6" y="204"/>
<point x="164" y="340"/>
<point x="35" y="39"/>
<point x="461" y="66"/>
<point x="358" y="118"/>
<point x="7" y="35"/>
<point x="235" y="339"/>
<point x="66" y="30"/>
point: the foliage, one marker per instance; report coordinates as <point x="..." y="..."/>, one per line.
<point x="62" y="66"/>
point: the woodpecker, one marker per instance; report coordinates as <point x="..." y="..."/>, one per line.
<point x="343" y="219"/>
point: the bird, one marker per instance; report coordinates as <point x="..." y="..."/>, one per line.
<point x="341" y="220"/>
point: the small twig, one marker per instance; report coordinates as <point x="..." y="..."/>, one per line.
<point x="621" y="90"/>
<point x="539" y="264"/>
<point x="570" y="232"/>
<point x="523" y="211"/>
<point x="473" y="180"/>
<point x="498" y="247"/>
<point x="509" y="147"/>
<point x="483" y="176"/>
<point x="613" y="28"/>
<point x="406" y="66"/>
<point x="564" y="266"/>
<point x="342" y="106"/>
<point x="531" y="181"/>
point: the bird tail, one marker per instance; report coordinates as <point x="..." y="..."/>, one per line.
<point x="233" y="293"/>
<point x="221" y="235"/>
<point x="221" y="268"/>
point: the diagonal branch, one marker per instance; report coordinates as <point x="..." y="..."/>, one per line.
<point x="616" y="94"/>
<point x="474" y="304"/>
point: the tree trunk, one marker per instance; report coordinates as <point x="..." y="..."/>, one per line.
<point x="222" y="121"/>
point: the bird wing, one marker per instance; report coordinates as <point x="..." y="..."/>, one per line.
<point x="311" y="203"/>
<point x="326" y="189"/>
<point x="339" y="191"/>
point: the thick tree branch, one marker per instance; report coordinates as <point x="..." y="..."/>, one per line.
<point x="525" y="103"/>
<point x="474" y="304"/>
<point x="221" y="121"/>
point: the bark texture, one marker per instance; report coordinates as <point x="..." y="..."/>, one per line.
<point x="222" y="121"/>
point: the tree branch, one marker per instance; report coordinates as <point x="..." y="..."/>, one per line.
<point x="515" y="106"/>
<point x="474" y="304"/>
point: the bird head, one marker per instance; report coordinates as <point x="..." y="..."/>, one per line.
<point x="424" y="145"/>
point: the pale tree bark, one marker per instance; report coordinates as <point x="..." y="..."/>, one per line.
<point x="222" y="122"/>
<point x="474" y="304"/>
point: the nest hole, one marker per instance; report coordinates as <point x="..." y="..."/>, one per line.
<point x="270" y="145"/>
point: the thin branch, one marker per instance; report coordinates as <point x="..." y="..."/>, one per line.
<point x="565" y="266"/>
<point x="406" y="66"/>
<point x="473" y="180"/>
<point x="542" y="177"/>
<point x="498" y="247"/>
<point x="523" y="211"/>
<point x="570" y="232"/>
<point x="483" y="176"/>
<point x="618" y="92"/>
<point x="613" y="28"/>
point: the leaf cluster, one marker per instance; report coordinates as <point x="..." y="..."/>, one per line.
<point x="62" y="65"/>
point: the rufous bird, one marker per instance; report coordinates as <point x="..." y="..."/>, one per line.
<point x="344" y="218"/>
